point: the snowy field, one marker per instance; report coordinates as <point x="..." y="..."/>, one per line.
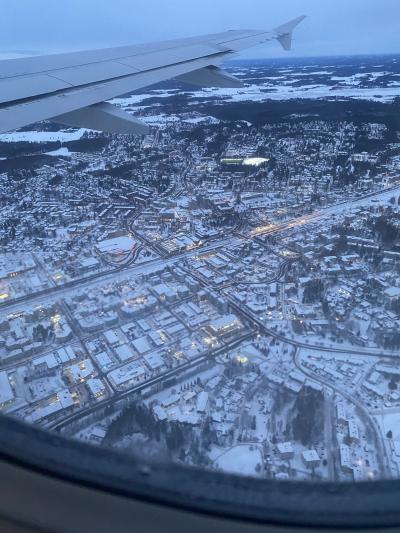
<point x="344" y="78"/>
<point x="43" y="136"/>
<point x="264" y="92"/>
<point x="256" y="93"/>
<point x="61" y="152"/>
<point x="242" y="459"/>
<point x="390" y="421"/>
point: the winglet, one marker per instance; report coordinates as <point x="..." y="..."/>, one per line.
<point x="284" y="33"/>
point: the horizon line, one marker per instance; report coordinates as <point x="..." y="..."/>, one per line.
<point x="328" y="56"/>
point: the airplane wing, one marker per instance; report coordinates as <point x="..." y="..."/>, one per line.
<point x="73" y="88"/>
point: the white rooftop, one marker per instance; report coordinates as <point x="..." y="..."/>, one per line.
<point x="6" y="392"/>
<point x="118" y="245"/>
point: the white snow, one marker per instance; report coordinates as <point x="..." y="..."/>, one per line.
<point x="42" y="136"/>
<point x="60" y="152"/>
<point x="390" y="421"/>
<point x="6" y="393"/>
<point x="241" y="459"/>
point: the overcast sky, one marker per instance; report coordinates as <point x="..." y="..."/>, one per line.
<point x="332" y="27"/>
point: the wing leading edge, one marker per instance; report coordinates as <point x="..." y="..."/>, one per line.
<point x="71" y="88"/>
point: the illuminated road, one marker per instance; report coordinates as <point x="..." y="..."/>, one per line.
<point x="52" y="294"/>
<point x="122" y="272"/>
<point x="330" y="211"/>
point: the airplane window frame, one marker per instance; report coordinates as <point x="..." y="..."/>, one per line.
<point x="285" y="503"/>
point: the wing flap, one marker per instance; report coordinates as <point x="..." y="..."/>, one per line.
<point x="211" y="77"/>
<point x="26" y="87"/>
<point x="104" y="117"/>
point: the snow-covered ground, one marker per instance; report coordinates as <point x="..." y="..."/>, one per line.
<point x="43" y="136"/>
<point x="256" y="93"/>
<point x="242" y="459"/>
<point x="390" y="421"/>
<point x="60" y="152"/>
<point x="264" y="92"/>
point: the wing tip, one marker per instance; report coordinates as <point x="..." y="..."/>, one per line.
<point x="284" y="33"/>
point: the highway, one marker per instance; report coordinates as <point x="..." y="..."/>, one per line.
<point x="330" y="211"/>
<point x="51" y="294"/>
<point x="123" y="271"/>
